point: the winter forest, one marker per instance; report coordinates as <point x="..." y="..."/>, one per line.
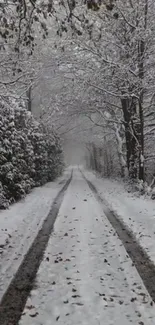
<point x="77" y="79"/>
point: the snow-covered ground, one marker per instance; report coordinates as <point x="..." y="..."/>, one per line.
<point x="137" y="213"/>
<point x="20" y="224"/>
<point x="86" y="276"/>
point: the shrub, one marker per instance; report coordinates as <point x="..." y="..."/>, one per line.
<point x="30" y="155"/>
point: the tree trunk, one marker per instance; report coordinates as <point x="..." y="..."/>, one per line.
<point x="126" y="113"/>
<point x="141" y="153"/>
<point x="131" y="135"/>
<point x="141" y="51"/>
<point x="119" y="138"/>
<point x="29" y="99"/>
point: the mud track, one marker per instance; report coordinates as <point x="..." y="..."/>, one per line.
<point x="14" y="299"/>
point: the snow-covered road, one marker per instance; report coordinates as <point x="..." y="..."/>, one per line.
<point x="20" y="224"/>
<point x="137" y="213"/>
<point x="86" y="276"/>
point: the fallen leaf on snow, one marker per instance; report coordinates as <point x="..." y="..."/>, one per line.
<point x="78" y="303"/>
<point x="34" y="315"/>
<point x="66" y="301"/>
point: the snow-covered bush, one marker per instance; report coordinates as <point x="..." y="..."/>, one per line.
<point x="143" y="188"/>
<point x="29" y="154"/>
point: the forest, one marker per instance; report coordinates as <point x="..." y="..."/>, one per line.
<point x="76" y="70"/>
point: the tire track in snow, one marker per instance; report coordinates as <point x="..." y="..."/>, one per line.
<point x="14" y="299"/>
<point x="141" y="260"/>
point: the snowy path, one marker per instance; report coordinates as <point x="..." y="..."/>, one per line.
<point x="86" y="276"/>
<point x="137" y="213"/>
<point x="20" y="224"/>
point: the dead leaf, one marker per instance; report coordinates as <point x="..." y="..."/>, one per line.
<point x="30" y="307"/>
<point x="34" y="315"/>
<point x="133" y="299"/>
<point x="66" y="301"/>
<point x="121" y="302"/>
